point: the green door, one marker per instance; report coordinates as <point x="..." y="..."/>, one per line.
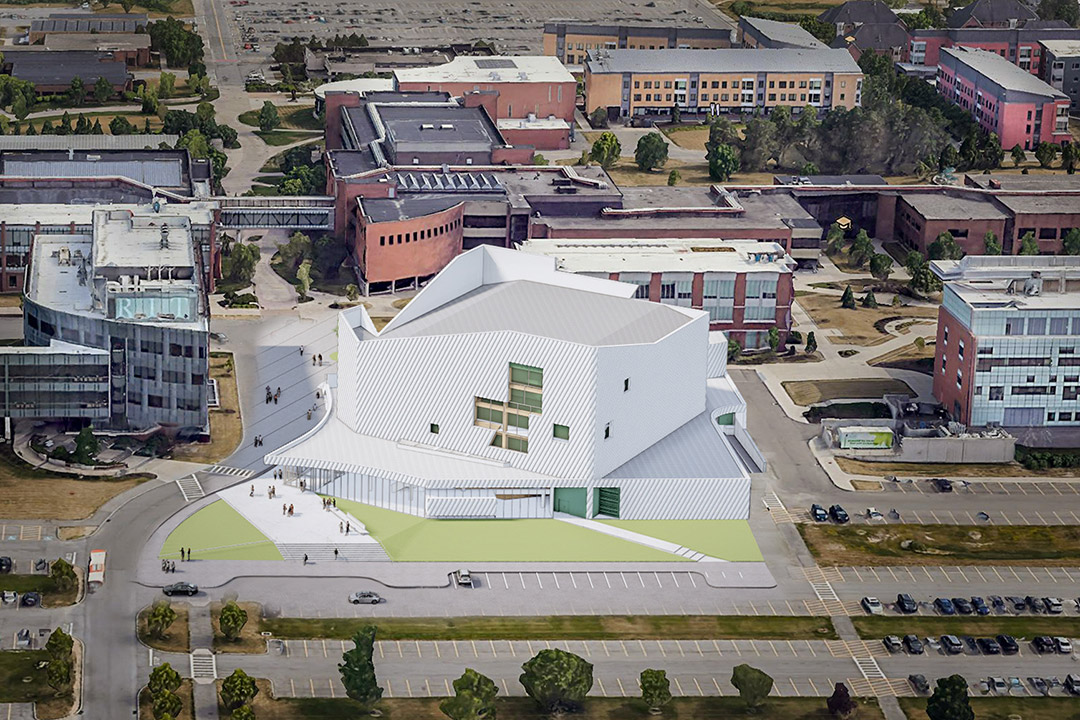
<point x="571" y="501"/>
<point x="607" y="501"/>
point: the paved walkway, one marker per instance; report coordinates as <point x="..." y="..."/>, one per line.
<point x="309" y="523"/>
<point x="631" y="536"/>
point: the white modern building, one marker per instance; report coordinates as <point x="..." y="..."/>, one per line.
<point x="508" y="389"/>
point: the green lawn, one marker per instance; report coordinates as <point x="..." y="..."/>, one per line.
<point x="410" y="538"/>
<point x="724" y="539"/>
<point x="562" y="627"/>
<point x="51" y="596"/>
<point x="293" y="117"/>
<point x="596" y="708"/>
<point x="217" y="532"/>
<point x="278" y="138"/>
<point x="1007" y="708"/>
<point x="20" y="680"/>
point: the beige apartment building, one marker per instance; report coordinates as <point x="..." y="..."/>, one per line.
<point x="571" y="42"/>
<point x="631" y="83"/>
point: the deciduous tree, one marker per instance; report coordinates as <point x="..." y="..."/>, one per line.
<point x="840" y="704"/>
<point x="163" y="678"/>
<point x="474" y="698"/>
<point x="59" y="644"/>
<point x="651" y="152"/>
<point x="232" y="620"/>
<point x="557" y="680"/>
<point x="63" y="576"/>
<point x="167" y="704"/>
<point x="724" y="162"/>
<point x="1046" y="153"/>
<point x="655" y="689"/>
<point x="1018" y="155"/>
<point x="268" y="117"/>
<point x="160" y="618"/>
<point x="103" y="90"/>
<point x="238" y="689"/>
<point x="880" y="266"/>
<point x="166" y="85"/>
<point x="77" y="91"/>
<point x="1028" y="244"/>
<point x="811" y="342"/>
<point x="753" y="685"/>
<point x="606" y="150"/>
<point x="945" y="247"/>
<point x="1070" y="244"/>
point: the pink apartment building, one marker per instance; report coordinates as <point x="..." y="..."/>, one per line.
<point x="1003" y="98"/>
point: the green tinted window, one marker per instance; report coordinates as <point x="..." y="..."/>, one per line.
<point x="521" y="421"/>
<point x="518" y="444"/>
<point x="562" y="432"/>
<point x="527" y="375"/>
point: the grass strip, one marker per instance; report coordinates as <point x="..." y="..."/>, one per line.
<point x="943" y="544"/>
<point x="522" y="708"/>
<point x="987" y="626"/>
<point x="1006" y="708"/>
<point x="51" y="596"/>
<point x="561" y="627"/>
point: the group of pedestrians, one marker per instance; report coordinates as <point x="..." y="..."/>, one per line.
<point x="258" y="441"/>
<point x="315" y="359"/>
<point x="328" y="503"/>
<point x="272" y="396"/>
<point x="287" y="509"/>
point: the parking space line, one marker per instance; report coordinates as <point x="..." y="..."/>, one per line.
<point x="674" y="579"/>
<point x="661" y="646"/>
<point x="977" y="570"/>
<point x="1014" y="574"/>
<point x="389" y="689"/>
<point x="311" y="684"/>
<point x="936" y="520"/>
<point x="1041" y="518"/>
<point x="600" y="684"/>
<point x="622" y="690"/>
<point x="331" y="684"/>
<point x="1066" y="572"/>
<point x="556" y="579"/>
<point x="640" y="579"/>
<point x="573" y="581"/>
<point x="961" y="571"/>
<point x="1060" y="521"/>
<point x="506" y="690"/>
<point x="292" y="687"/>
<point x="810" y="648"/>
<point x="717" y="646"/>
<point x="928" y="575"/>
<point x="473" y="644"/>
<point x="1005" y="517"/>
<point x="1050" y="574"/>
<point x="678" y="685"/>
<point x="1033" y="575"/>
<point x="1024" y="519"/>
<point x="716" y="684"/>
<point x="539" y="581"/>
<point x="1075" y="517"/>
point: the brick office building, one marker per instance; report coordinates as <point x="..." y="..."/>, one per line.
<point x="1004" y="99"/>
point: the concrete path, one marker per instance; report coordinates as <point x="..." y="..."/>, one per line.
<point x="634" y="537"/>
<point x="309" y="523"/>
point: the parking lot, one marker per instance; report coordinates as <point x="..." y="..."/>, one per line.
<point x="989" y="487"/>
<point x="946" y="575"/>
<point x="514" y="26"/>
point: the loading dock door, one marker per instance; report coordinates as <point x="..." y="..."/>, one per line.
<point x="571" y="501"/>
<point x="607" y="502"/>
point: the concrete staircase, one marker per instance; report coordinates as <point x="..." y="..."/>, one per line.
<point x="324" y="552"/>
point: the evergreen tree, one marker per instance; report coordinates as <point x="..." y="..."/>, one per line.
<point x="358" y="670"/>
<point x="840" y="704"/>
<point x="991" y="244"/>
<point x="811" y="342"/>
<point x="869" y="301"/>
<point x="847" y="300"/>
<point x="1028" y="244"/>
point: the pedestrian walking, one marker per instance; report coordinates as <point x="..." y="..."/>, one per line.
<point x="347" y="528"/>
<point x="335" y="553"/>
<point x="334" y="502"/>
<point x="305" y="558"/>
<point x="318" y="395"/>
<point x="284" y="508"/>
<point x="340" y="528"/>
<point x="278" y="391"/>
<point x="308" y="414"/>
<point x="301" y="351"/>
<point x="290" y="510"/>
<point x="252" y="493"/>
<point x="301" y="486"/>
<point x="313" y="359"/>
<point x="320" y="359"/>
<point x="162" y="566"/>
<point x="275" y="399"/>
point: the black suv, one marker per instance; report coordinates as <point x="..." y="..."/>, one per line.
<point x="1008" y="644"/>
<point x="962" y="606"/>
<point x="5" y="564"/>
<point x="906" y="604"/>
<point x="942" y="484"/>
<point x="1044" y="644"/>
<point x="989" y="646"/>
<point x="913" y="644"/>
<point x="818" y="513"/>
<point x="838" y="514"/>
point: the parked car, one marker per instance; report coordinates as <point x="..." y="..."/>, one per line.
<point x="365" y="597"/>
<point x="942" y="484"/>
<point x="1043" y="644"/>
<point x="873" y="513"/>
<point x="873" y="606"/>
<point x="1062" y="644"/>
<point x="838" y="514"/>
<point x="818" y="513"/>
<point x="181" y="588"/>
<point x="906" y="604"/>
<point x="913" y="644"/>
<point x="1054" y="606"/>
<point x="1072" y="684"/>
<point x="463" y="577"/>
<point x="989" y="646"/>
<point x="970" y="642"/>
<point x="1008" y="644"/>
<point x="1039" y="685"/>
<point x="962" y="606"/>
<point x="980" y="606"/>
<point x="944" y="606"/>
<point x="892" y="644"/>
<point x="9" y="596"/>
<point x="5" y="564"/>
<point x="1018" y="603"/>
<point x="1034" y="604"/>
<point x="998" y="603"/>
<point x="998" y="685"/>
<point x="952" y="644"/>
<point x="33" y="599"/>
<point x="922" y="687"/>
<point x="931" y="643"/>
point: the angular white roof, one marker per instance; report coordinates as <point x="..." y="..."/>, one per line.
<point x="497" y="290"/>
<point x="496" y="68"/>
